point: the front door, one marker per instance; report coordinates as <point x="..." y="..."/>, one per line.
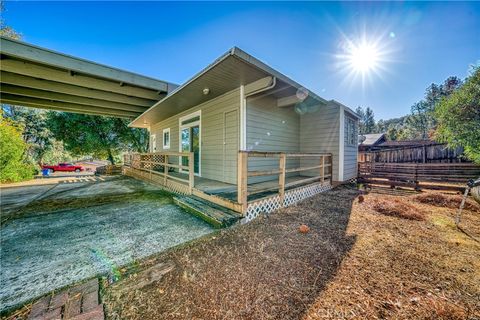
<point x="190" y="140"/>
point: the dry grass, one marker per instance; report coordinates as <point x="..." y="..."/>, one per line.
<point x="447" y="200"/>
<point x="397" y="208"/>
<point x="354" y="263"/>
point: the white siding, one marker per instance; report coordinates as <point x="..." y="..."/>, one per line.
<point x="218" y="159"/>
<point x="270" y="128"/>
<point x="320" y="133"/>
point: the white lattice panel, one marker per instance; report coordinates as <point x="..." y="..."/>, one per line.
<point x="293" y="196"/>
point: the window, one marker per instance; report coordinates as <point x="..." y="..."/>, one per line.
<point x="350" y="132"/>
<point x="166" y="138"/>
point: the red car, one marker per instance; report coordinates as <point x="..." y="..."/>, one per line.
<point x="64" y="167"/>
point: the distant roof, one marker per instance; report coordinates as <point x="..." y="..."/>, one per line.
<point x="370" y="139"/>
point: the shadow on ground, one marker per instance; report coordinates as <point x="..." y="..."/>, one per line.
<point x="266" y="269"/>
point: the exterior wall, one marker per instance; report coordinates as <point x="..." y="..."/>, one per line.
<point x="320" y="132"/>
<point x="219" y="143"/>
<point x="270" y="128"/>
<point x="350" y="154"/>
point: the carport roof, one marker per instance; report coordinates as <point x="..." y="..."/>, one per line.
<point x="37" y="77"/>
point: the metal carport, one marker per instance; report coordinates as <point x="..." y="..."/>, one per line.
<point x="37" y="77"/>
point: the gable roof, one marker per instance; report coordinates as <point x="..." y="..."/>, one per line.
<point x="228" y="72"/>
<point x="370" y="139"/>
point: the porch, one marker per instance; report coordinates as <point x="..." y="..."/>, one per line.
<point x="283" y="178"/>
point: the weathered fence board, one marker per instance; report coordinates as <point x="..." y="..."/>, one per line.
<point x="432" y="153"/>
<point x="413" y="174"/>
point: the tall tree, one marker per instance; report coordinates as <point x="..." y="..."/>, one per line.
<point x="458" y="116"/>
<point x="103" y="137"/>
<point x="367" y="120"/>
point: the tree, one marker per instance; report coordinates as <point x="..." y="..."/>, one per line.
<point x="5" y="30"/>
<point x="367" y="120"/>
<point x="103" y="137"/>
<point x="458" y="116"/>
<point x="35" y="132"/>
<point x="13" y="166"/>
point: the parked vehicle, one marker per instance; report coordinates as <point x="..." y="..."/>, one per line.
<point x="64" y="167"/>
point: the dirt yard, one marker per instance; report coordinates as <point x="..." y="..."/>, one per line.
<point x="407" y="262"/>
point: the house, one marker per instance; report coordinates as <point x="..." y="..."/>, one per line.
<point x="239" y="105"/>
<point x="367" y="142"/>
<point x="239" y="137"/>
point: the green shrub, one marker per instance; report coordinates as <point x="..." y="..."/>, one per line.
<point x="13" y="167"/>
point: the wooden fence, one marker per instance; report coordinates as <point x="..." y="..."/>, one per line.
<point x="432" y="153"/>
<point x="418" y="175"/>
<point x="322" y="167"/>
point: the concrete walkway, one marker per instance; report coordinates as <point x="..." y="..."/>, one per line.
<point x="52" y="247"/>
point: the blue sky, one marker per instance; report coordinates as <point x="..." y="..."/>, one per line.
<point x="417" y="43"/>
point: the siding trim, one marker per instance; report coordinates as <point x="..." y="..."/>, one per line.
<point x="341" y="151"/>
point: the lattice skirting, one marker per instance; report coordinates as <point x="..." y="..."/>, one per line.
<point x="293" y="196"/>
<point x="171" y="186"/>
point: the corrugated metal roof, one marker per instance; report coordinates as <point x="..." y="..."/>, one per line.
<point x="370" y="139"/>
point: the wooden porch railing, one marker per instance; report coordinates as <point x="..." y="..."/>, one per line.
<point x="158" y="163"/>
<point x="324" y="161"/>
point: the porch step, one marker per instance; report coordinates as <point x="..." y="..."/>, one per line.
<point x="214" y="214"/>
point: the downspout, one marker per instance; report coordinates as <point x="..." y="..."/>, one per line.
<point x="243" y="110"/>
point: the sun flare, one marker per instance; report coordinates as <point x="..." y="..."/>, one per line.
<point x="363" y="58"/>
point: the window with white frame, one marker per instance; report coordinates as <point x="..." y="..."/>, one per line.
<point x="166" y="138"/>
<point x="350" y="131"/>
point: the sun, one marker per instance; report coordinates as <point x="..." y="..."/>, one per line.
<point x="363" y="58"/>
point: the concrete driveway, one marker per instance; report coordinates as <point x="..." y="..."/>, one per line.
<point x="55" y="235"/>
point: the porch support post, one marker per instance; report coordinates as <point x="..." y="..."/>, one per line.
<point x="191" y="173"/>
<point x="281" y="178"/>
<point x="165" y="169"/>
<point x="242" y="176"/>
<point x="322" y="172"/>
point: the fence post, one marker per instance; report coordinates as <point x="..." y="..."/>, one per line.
<point x="281" y="177"/>
<point x="191" y="173"/>
<point x="165" y="169"/>
<point x="242" y="180"/>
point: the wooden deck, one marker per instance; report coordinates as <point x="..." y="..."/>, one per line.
<point x="256" y="191"/>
